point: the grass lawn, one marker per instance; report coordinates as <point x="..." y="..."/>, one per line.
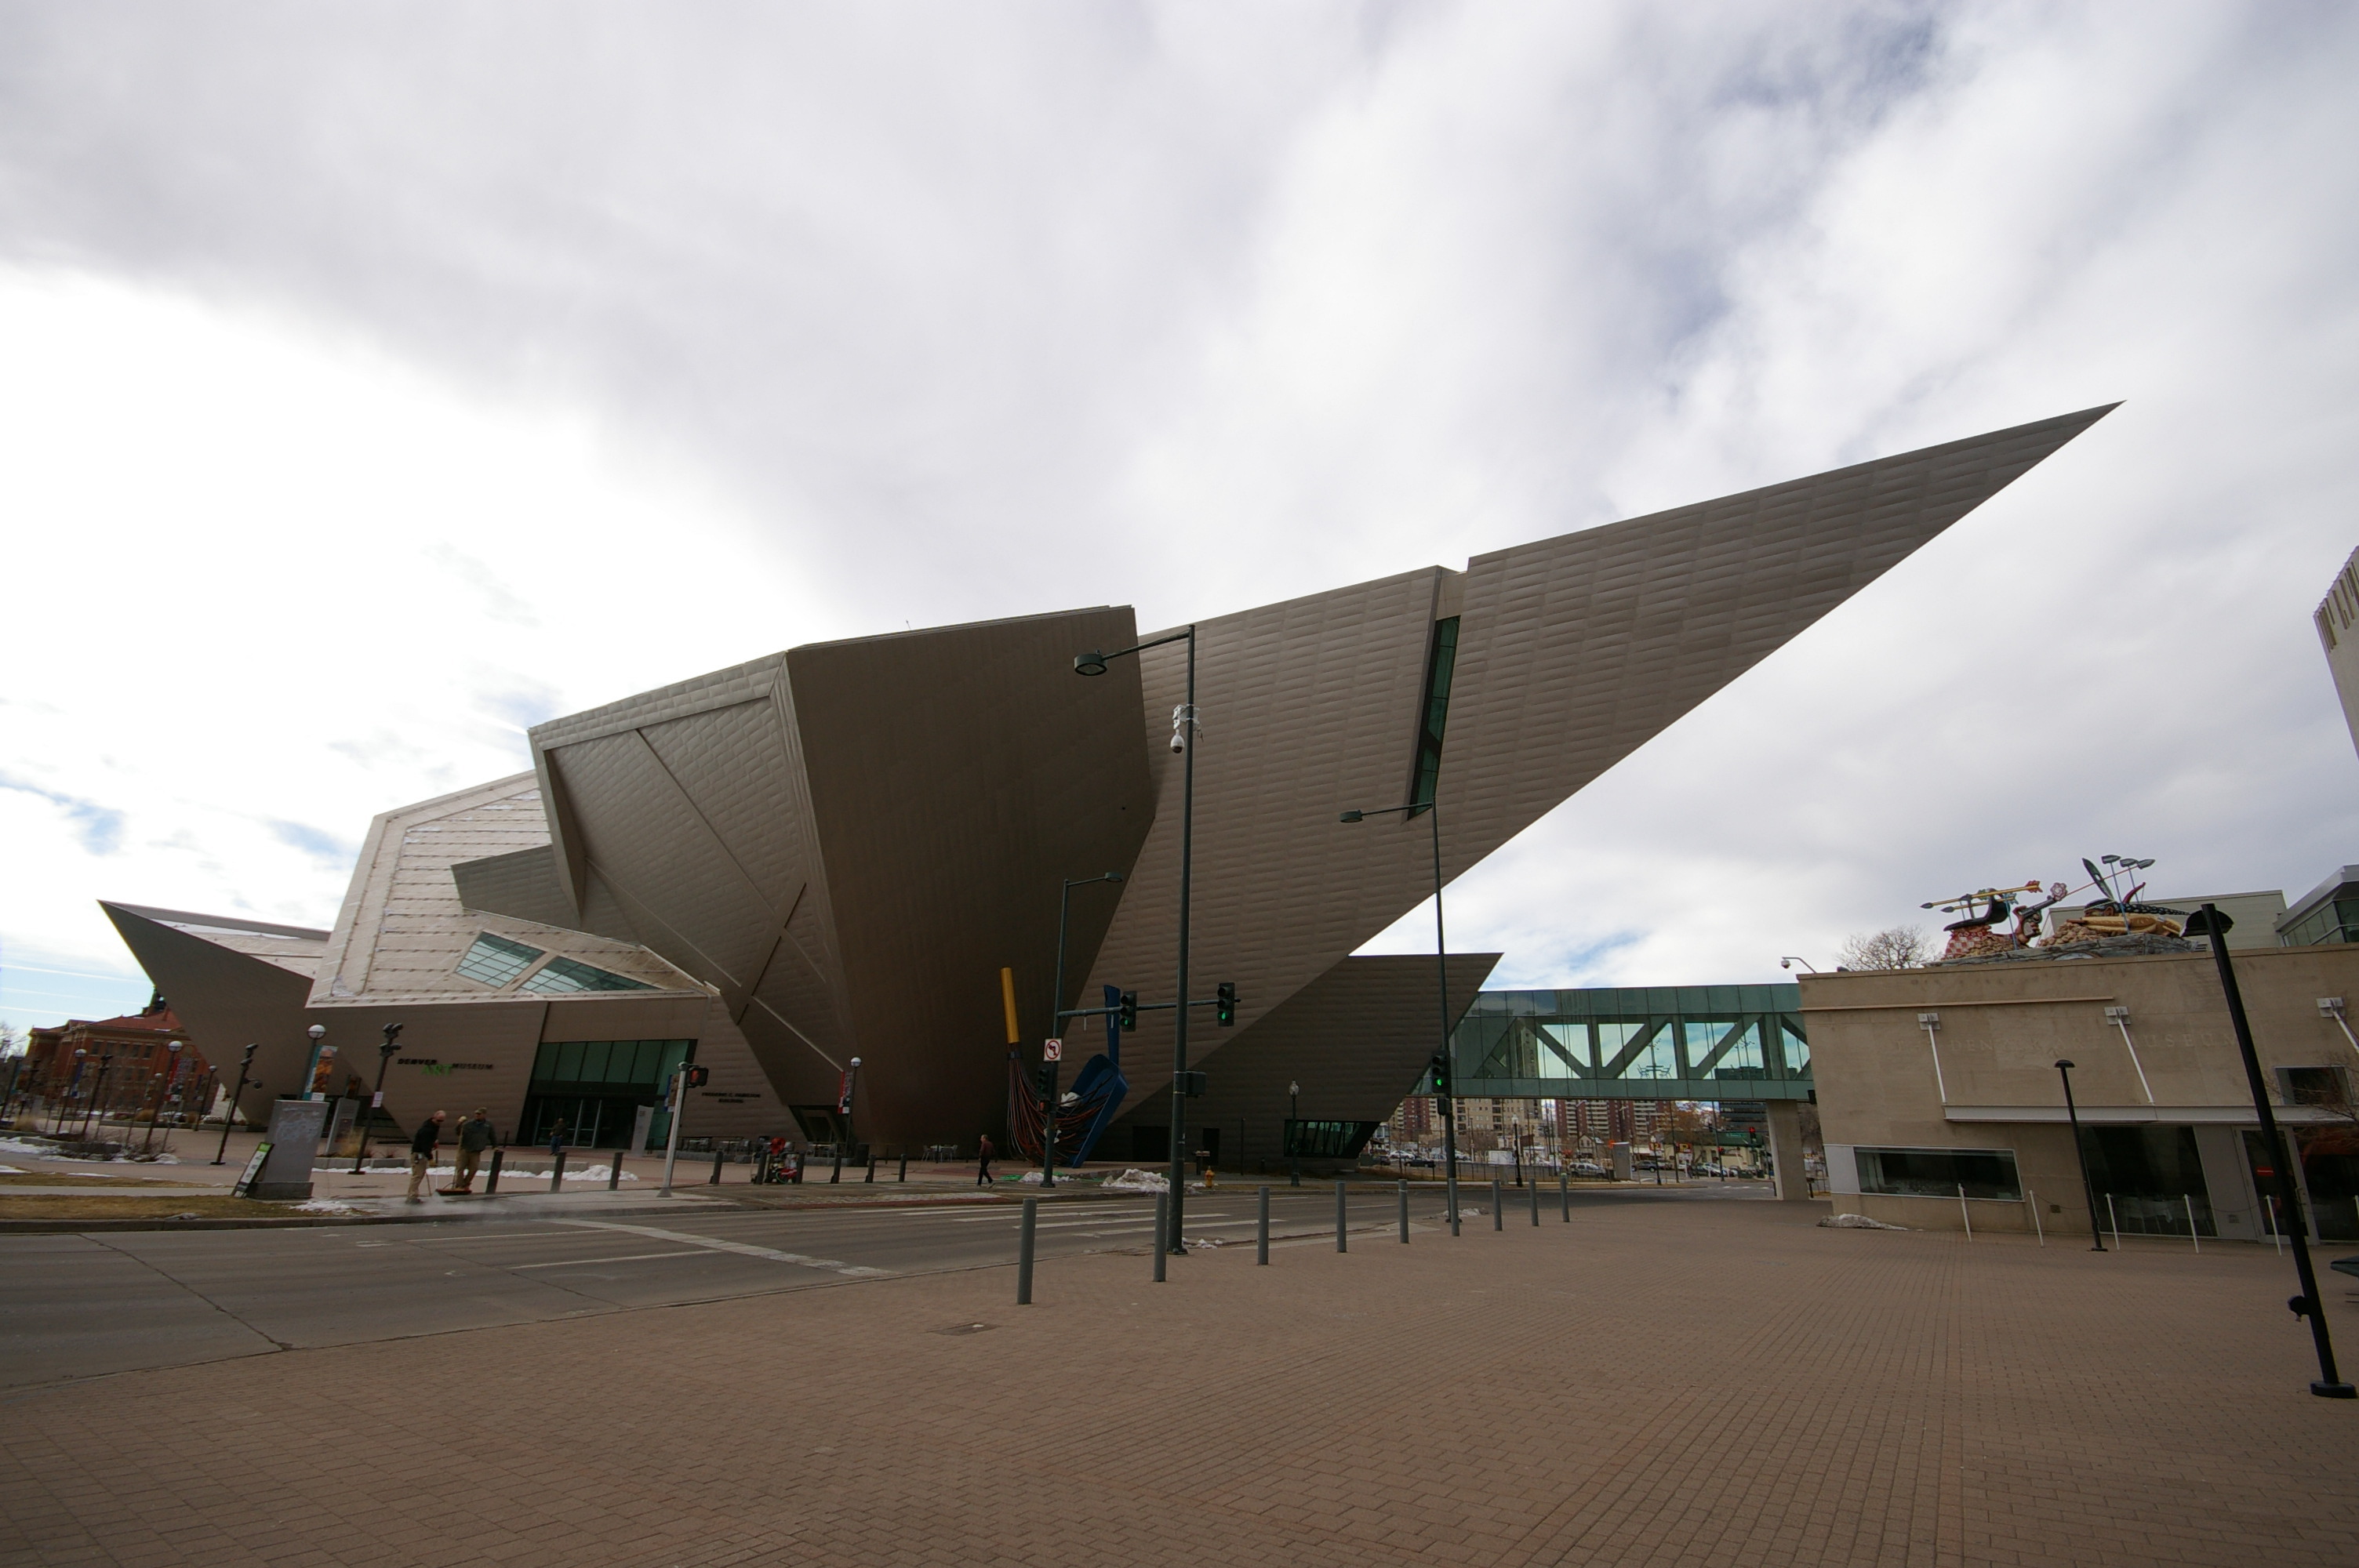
<point x="131" y="1205"/>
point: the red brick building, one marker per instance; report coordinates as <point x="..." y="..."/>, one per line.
<point x="133" y="1053"/>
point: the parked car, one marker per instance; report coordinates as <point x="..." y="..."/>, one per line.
<point x="1585" y="1168"/>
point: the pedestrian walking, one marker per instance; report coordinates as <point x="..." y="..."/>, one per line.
<point x="422" y="1153"/>
<point x="982" y="1164"/>
<point x="476" y="1135"/>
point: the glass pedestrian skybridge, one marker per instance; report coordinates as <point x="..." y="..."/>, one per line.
<point x="1690" y="1042"/>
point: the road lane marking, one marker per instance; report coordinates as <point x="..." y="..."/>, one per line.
<point x="741" y="1249"/>
<point x="627" y="1258"/>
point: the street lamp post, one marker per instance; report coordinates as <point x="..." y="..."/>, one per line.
<point x="1294" y="1133"/>
<point x="851" y="1090"/>
<point x="73" y="1088"/>
<point x="237" y="1094"/>
<point x="2081" y="1152"/>
<point x="1441" y="969"/>
<point x="93" y="1102"/>
<point x="1183" y="732"/>
<point x="1056" y="1027"/>
<point x="384" y="1060"/>
<point x="2210" y="922"/>
<point x="164" y="1082"/>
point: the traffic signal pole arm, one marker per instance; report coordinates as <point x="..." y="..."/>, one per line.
<point x="1144" y="1007"/>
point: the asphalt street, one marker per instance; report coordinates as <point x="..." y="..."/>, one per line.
<point x="79" y="1305"/>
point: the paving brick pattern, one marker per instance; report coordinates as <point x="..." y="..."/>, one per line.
<point x="1693" y="1383"/>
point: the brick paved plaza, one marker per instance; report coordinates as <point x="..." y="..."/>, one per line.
<point x="1680" y="1381"/>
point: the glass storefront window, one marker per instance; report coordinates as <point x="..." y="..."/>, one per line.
<point x="1940" y="1173"/>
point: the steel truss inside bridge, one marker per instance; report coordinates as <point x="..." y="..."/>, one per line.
<point x="1655" y="1043"/>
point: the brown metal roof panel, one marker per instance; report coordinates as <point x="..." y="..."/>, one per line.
<point x="956" y="778"/>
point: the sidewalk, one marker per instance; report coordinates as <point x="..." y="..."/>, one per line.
<point x="1654" y="1384"/>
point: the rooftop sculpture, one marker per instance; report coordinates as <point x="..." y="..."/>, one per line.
<point x="2114" y="923"/>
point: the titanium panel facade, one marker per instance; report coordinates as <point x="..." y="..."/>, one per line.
<point x="832" y="852"/>
<point x="1572" y="652"/>
<point x="1356" y="1039"/>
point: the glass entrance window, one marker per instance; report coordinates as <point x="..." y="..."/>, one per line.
<point x="2330" y="1169"/>
<point x="2153" y="1178"/>
<point x="597" y="1087"/>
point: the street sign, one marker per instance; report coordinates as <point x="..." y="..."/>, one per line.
<point x="1052" y="1050"/>
<point x="252" y="1168"/>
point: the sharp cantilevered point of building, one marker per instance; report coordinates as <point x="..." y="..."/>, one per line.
<point x="834" y="851"/>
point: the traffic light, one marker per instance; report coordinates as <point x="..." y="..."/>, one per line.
<point x="1440" y="1068"/>
<point x="1126" y="1011"/>
<point x="698" y="1077"/>
<point x="1225" y="1004"/>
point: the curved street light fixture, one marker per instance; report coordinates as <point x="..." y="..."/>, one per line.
<point x="1442" y="965"/>
<point x="1183" y="728"/>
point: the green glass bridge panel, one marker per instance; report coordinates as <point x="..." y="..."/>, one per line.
<point x="1634" y="1043"/>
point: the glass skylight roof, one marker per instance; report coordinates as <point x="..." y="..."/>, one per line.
<point x="496" y="961"/>
<point x="566" y="975"/>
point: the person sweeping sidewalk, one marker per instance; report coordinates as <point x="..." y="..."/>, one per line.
<point x="421" y="1152"/>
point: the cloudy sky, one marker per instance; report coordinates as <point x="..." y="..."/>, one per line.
<point x="378" y="380"/>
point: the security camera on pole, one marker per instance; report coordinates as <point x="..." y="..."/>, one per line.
<point x="230" y="1114"/>
<point x="376" y="1100"/>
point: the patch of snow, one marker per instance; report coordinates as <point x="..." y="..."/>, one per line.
<point x="1138" y="1181"/>
<point x="1855" y="1222"/>
<point x="12" y="1171"/>
<point x="443" y="1175"/>
<point x="324" y="1206"/>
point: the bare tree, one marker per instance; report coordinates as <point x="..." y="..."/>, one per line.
<point x="1900" y="947"/>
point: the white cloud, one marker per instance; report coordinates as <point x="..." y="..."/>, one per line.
<point x="283" y="583"/>
<point x="369" y="365"/>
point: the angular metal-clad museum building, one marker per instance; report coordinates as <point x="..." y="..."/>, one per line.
<point x="835" y="851"/>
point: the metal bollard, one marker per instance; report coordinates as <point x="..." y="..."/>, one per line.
<point x="556" y="1173"/>
<point x="615" y="1176"/>
<point x="1452" y="1191"/>
<point x="716" y="1170"/>
<point x="1340" y="1196"/>
<point x="871" y="1164"/>
<point x="1536" y="1197"/>
<point x="1024" y="1253"/>
<point x="1261" y="1236"/>
<point x="905" y="1165"/>
<point x="499" y="1157"/>
<point x="1162" y="1228"/>
<point x="837" y="1174"/>
<point x="1498" y="1213"/>
<point x="1403" y="1213"/>
<point x="1564" y="1194"/>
